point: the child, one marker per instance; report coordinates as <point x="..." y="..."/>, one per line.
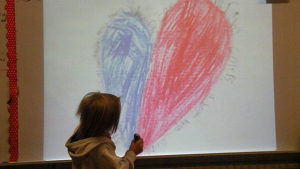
<point x="91" y="147"/>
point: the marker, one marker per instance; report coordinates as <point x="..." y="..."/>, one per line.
<point x="136" y="137"/>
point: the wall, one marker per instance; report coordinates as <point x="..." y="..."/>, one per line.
<point x="30" y="74"/>
<point x="4" y="94"/>
<point x="29" y="33"/>
<point x="286" y="30"/>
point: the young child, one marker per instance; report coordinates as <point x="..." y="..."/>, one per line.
<point x="91" y="147"/>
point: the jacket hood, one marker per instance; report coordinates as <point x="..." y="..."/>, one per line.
<point x="81" y="148"/>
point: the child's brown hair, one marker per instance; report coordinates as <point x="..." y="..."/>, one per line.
<point x="99" y="113"/>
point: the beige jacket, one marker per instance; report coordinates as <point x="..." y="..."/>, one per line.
<point x="98" y="153"/>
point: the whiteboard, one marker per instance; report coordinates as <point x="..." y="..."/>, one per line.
<point x="203" y="79"/>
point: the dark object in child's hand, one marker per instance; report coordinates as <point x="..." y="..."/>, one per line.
<point x="136" y="137"/>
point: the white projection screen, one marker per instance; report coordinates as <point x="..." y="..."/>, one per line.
<point x="194" y="76"/>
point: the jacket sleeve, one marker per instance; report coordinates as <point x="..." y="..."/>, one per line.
<point x="107" y="157"/>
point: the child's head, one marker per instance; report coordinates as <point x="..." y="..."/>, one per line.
<point x="99" y="113"/>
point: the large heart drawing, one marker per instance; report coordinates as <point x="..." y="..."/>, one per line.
<point x="188" y="57"/>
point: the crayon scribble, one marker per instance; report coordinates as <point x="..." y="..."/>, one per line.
<point x="188" y="57"/>
<point x="124" y="58"/>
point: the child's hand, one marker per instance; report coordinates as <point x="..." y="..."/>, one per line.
<point x="137" y="146"/>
